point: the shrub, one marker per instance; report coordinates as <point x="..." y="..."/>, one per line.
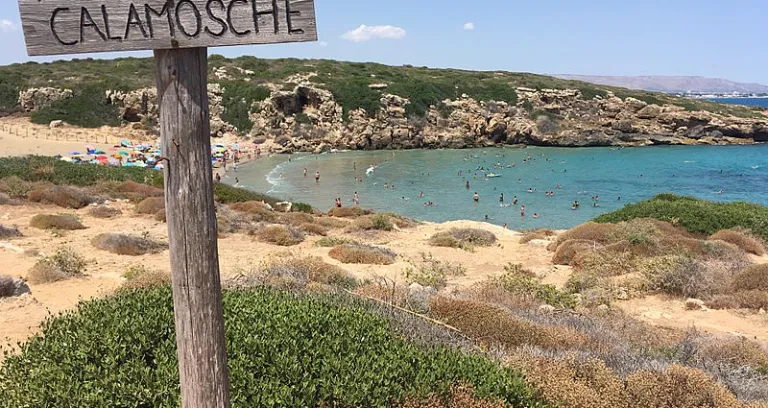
<point x="333" y="223"/>
<point x="523" y="283"/>
<point x="697" y="216"/>
<point x="161" y="216"/>
<point x="741" y="239"/>
<point x="568" y="250"/>
<point x="237" y="99"/>
<point x="6" y="200"/>
<point x="329" y="242"/>
<point x="64" y="264"/>
<point x="139" y="277"/>
<point x="362" y="254"/>
<point x="459" y="396"/>
<point x="378" y="222"/>
<point x="604" y="263"/>
<point x="268" y="333"/>
<point x="688" y="277"/>
<point x="302" y="207"/>
<point x="87" y="108"/>
<point x="122" y="244"/>
<point x="296" y="219"/>
<point x="750" y="299"/>
<point x="529" y="236"/>
<point x="258" y="211"/>
<point x="103" y="211"/>
<point x="7" y="286"/>
<point x="7" y="232"/>
<point x="130" y="189"/>
<point x="493" y="325"/>
<point x="151" y="205"/>
<point x="314" y="229"/>
<point x="347" y="212"/>
<point x="280" y="235"/>
<point x="61" y="222"/>
<point x="295" y="272"/>
<point x="62" y="196"/>
<point x="751" y="278"/>
<point x="41" y="170"/>
<point x="226" y="194"/>
<point x="679" y="387"/>
<point x="432" y="272"/>
<point x="739" y="352"/>
<point x="15" y="187"/>
<point x="464" y="238"/>
<point x="590" y="231"/>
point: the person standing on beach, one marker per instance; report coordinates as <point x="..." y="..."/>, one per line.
<point x="317" y="176"/>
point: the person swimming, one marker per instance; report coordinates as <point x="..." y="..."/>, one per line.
<point x="535" y="215"/>
<point x="467" y="184"/>
<point x="514" y="200"/>
<point x="305" y="172"/>
<point x="575" y="205"/>
<point x="317" y="176"/>
<point x="522" y="211"/>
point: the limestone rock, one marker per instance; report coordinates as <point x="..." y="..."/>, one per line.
<point x="56" y="124"/>
<point x="419" y="295"/>
<point x="650" y="112"/>
<point x="35" y="98"/>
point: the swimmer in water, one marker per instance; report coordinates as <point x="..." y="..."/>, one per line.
<point x="501" y="197"/>
<point x="514" y="201"/>
<point x="305" y="172"/>
<point x="535" y="215"/>
<point x="522" y="211"/>
<point x="421" y="194"/>
<point x="317" y="176"/>
<point x="467" y="184"/>
<point x="476" y="197"/>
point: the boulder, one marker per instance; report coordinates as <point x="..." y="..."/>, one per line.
<point x="634" y="105"/>
<point x="418" y="295"/>
<point x="694" y="304"/>
<point x="56" y="124"/>
<point x="650" y="112"/>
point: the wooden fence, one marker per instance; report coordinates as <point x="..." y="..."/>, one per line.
<point x="60" y="134"/>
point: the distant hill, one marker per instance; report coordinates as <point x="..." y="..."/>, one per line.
<point x="671" y="84"/>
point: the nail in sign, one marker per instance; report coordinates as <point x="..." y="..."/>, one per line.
<point x="53" y="27"/>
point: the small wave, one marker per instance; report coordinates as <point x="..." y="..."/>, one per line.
<point x="755" y="167"/>
<point x="689" y="161"/>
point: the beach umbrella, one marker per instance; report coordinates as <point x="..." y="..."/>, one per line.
<point x="99" y="152"/>
<point x="123" y="153"/>
<point x="125" y="143"/>
<point x="101" y="157"/>
<point x="75" y="153"/>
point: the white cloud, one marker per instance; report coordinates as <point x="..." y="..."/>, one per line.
<point x="469" y="26"/>
<point x="366" y="33"/>
<point x="7" y="26"/>
<point x="323" y="44"/>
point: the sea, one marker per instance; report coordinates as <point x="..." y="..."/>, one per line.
<point x="743" y="101"/>
<point x="439" y="185"/>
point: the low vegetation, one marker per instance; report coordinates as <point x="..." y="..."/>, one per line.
<point x="538" y="234"/>
<point x="9" y="232"/>
<point x="432" y="272"/>
<point x="362" y="254"/>
<point x="314" y="229"/>
<point x="151" y="205"/>
<point x="742" y="239"/>
<point x="329" y="242"/>
<point x="140" y="277"/>
<point x="696" y="216"/>
<point x="62" y="265"/>
<point x="282" y="235"/>
<point x="347" y="212"/>
<point x="464" y="238"/>
<point x="62" y="196"/>
<point x="322" y="332"/>
<point x="122" y="244"/>
<point x="56" y="222"/>
<point x="291" y="271"/>
<point x="104" y="212"/>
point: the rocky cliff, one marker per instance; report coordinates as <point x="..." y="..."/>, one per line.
<point x="308" y="118"/>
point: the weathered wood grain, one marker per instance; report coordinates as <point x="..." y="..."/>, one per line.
<point x="54" y="27"/>
<point x="192" y="231"/>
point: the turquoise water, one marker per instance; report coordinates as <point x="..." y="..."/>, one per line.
<point x="743" y="101"/>
<point x="633" y="174"/>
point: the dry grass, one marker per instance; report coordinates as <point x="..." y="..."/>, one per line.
<point x="754" y="277"/>
<point x="290" y="271"/>
<point x="314" y="229"/>
<point x="742" y="239"/>
<point x="679" y="387"/>
<point x="62" y="196"/>
<point x="60" y="222"/>
<point x="5" y="199"/>
<point x="493" y="325"/>
<point x="429" y="271"/>
<point x="104" y="212"/>
<point x="9" y="232"/>
<point x="64" y="264"/>
<point x="567" y="250"/>
<point x="465" y="238"/>
<point x="362" y="254"/>
<point x="122" y="244"/>
<point x="348" y="212"/>
<point x="604" y="263"/>
<point x="377" y="222"/>
<point x="280" y="235"/>
<point x="151" y="205"/>
<point x="139" y="277"/>
<point x="296" y="219"/>
<point x="739" y="352"/>
<point x="590" y="231"/>
<point x="130" y="190"/>
<point x="332" y="223"/>
<point x="459" y="396"/>
<point x="161" y="216"/>
<point x="541" y="234"/>
<point x="749" y="299"/>
<point x="257" y="211"/>
<point x="330" y="242"/>
<point x="17" y="188"/>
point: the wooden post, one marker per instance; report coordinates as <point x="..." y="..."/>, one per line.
<point x="192" y="231"/>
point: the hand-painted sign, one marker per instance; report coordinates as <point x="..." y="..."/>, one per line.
<point x="70" y="27"/>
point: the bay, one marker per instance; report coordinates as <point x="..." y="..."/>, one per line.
<point x="617" y="176"/>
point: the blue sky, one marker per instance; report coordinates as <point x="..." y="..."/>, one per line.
<point x="715" y="38"/>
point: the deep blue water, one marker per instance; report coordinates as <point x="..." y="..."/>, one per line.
<point x="632" y="173"/>
<point x="743" y="101"/>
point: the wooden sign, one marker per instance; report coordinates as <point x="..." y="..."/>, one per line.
<point x="53" y="27"/>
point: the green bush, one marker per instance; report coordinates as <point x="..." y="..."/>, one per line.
<point x="302" y="207"/>
<point x="519" y="281"/>
<point x="87" y="108"/>
<point x="10" y="85"/>
<point x="237" y="99"/>
<point x="227" y="194"/>
<point x="695" y="215"/>
<point x="284" y="350"/>
<point x="40" y="168"/>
